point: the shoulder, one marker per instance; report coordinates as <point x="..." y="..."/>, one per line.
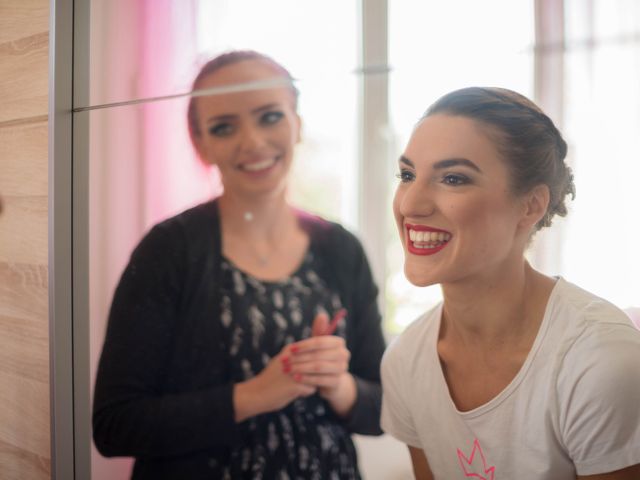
<point x="196" y="223"/>
<point x="602" y="346"/>
<point x="181" y="239"/>
<point x="327" y="233"/>
<point x="598" y="382"/>
<point x="592" y="324"/>
<point x="198" y="217"/>
<point x="585" y="308"/>
<point x="338" y="248"/>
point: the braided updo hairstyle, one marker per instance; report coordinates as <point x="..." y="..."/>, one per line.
<point x="528" y="140"/>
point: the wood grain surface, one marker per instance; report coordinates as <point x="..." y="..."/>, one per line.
<point x="25" y="446"/>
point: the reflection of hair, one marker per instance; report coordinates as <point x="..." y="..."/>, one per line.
<point x="221" y="61"/>
<point x="527" y="138"/>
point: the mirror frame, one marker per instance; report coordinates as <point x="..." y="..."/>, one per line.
<point x="70" y="429"/>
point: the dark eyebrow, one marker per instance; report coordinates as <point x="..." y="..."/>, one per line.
<point x="449" y="162"/>
<point x="406" y="161"/>
<point x="221" y="118"/>
<point x="264" y="107"/>
<point x="228" y="116"/>
<point x="452" y="162"/>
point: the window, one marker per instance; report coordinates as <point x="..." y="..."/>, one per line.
<point x="602" y="126"/>
<point x="433" y="50"/>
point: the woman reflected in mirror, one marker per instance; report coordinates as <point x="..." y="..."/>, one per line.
<point x="244" y="338"/>
<point x="515" y="374"/>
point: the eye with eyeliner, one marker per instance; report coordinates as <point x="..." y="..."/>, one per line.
<point x="223" y="129"/>
<point x="455" y="179"/>
<point x="405" y="175"/>
<point x="271" y="117"/>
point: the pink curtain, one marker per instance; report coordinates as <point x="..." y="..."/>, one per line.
<point x="142" y="166"/>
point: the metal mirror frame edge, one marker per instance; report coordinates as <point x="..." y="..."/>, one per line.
<point x="68" y="241"/>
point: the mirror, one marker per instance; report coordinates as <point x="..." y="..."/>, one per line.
<point x="143" y="56"/>
<point x="142" y="166"/>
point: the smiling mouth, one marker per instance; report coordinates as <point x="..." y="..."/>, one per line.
<point x="259" y="166"/>
<point x="425" y="240"/>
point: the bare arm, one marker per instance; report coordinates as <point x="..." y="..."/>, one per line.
<point x="421" y="468"/>
<point x="629" y="473"/>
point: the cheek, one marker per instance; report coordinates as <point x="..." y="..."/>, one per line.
<point x="472" y="211"/>
<point x="397" y="201"/>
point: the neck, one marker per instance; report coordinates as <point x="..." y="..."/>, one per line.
<point x="502" y="310"/>
<point x="266" y="217"/>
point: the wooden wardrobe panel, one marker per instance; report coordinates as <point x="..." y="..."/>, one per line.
<point x="22" y="18"/>
<point x="24" y="419"/>
<point x="19" y="464"/>
<point x="25" y="336"/>
<point x="23" y="232"/>
<point x="24" y="73"/>
<point x="23" y="150"/>
<point x="25" y="444"/>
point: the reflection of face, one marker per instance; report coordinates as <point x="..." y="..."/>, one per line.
<point x="454" y="210"/>
<point x="249" y="135"/>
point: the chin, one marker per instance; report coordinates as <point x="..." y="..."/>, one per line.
<point x="418" y="277"/>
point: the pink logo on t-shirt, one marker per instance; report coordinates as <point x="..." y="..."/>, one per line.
<point x="473" y="468"/>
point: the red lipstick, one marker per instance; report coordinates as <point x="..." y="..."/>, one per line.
<point x="423" y="251"/>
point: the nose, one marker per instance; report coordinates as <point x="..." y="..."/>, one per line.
<point x="251" y="138"/>
<point x="414" y="200"/>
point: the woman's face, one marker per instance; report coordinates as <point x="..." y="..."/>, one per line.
<point x="250" y="135"/>
<point x="455" y="212"/>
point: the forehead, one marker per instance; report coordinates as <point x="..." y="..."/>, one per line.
<point x="442" y="136"/>
<point x="241" y="72"/>
<point x="245" y="71"/>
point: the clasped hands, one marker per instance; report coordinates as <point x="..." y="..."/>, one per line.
<point x="316" y="364"/>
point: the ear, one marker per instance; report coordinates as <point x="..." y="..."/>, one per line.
<point x="536" y="202"/>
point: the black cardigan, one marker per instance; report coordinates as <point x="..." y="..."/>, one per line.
<point x="162" y="391"/>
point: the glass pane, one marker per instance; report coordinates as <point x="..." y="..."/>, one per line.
<point x="433" y="50"/>
<point x="602" y="121"/>
<point x="144" y="169"/>
<point x="152" y="48"/>
<point x="600" y="20"/>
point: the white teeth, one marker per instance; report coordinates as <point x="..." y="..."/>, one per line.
<point x="423" y="237"/>
<point x="261" y="165"/>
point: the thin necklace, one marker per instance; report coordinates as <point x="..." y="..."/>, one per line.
<point x="263" y="260"/>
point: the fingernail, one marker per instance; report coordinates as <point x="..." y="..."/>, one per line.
<point x="297" y="377"/>
<point x="286" y="368"/>
<point x="284" y="359"/>
<point x="295" y="349"/>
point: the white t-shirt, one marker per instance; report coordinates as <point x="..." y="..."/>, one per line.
<point x="573" y="408"/>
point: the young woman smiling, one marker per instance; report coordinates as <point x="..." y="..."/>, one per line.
<point x="220" y="360"/>
<point x="515" y="374"/>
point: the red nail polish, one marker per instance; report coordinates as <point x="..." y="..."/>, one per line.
<point x="286" y="368"/>
<point x="297" y="377"/>
<point x="295" y="349"/>
<point x="284" y="359"/>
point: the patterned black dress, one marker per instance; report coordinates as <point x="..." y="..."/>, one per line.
<point x="305" y="440"/>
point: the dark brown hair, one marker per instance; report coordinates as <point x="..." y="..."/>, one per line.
<point x="527" y="139"/>
<point x="221" y="61"/>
